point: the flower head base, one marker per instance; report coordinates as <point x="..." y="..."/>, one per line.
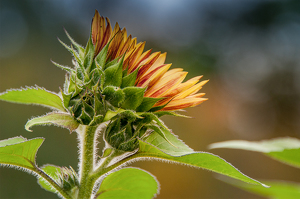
<point x="114" y="80"/>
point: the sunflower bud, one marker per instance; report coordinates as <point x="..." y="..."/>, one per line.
<point x="120" y="134"/>
<point x="68" y="179"/>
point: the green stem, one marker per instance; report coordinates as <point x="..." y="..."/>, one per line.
<point x="88" y="176"/>
<point x="102" y="169"/>
<point x="87" y="134"/>
<point x="53" y="183"/>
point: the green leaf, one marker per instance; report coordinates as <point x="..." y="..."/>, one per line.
<point x="33" y="95"/>
<point x="160" y="131"/>
<point x="19" y="151"/>
<point x="286" y="150"/>
<point x="157" y="147"/>
<point x="52" y="171"/>
<point x="133" y="97"/>
<point x="159" y="142"/>
<point x="197" y="159"/>
<point x="64" y="120"/>
<point x="130" y="183"/>
<point x="277" y="189"/>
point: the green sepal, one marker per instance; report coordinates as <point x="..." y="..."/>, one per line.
<point x="149" y="117"/>
<point x="111" y="63"/>
<point x="74" y="87"/>
<point x="172" y="113"/>
<point x="130" y="79"/>
<point x="84" y="117"/>
<point x="66" y="68"/>
<point x="66" y="178"/>
<point x="96" y="120"/>
<point x="113" y="75"/>
<point x="130" y="115"/>
<point x="79" y="48"/>
<point x="111" y="114"/>
<point x="71" y="50"/>
<point x="95" y="76"/>
<point x="89" y="55"/>
<point x="128" y="131"/>
<point x="133" y="97"/>
<point x="66" y="98"/>
<point x="101" y="57"/>
<point x="130" y="145"/>
<point x="157" y="108"/>
<point x="114" y="95"/>
<point x="124" y="73"/>
<point x="99" y="105"/>
<point x="80" y="74"/>
<point x="88" y="109"/>
<point x="111" y="129"/>
<point x="147" y="104"/>
<point x="142" y="131"/>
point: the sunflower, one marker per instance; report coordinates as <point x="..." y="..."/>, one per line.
<point x="153" y="73"/>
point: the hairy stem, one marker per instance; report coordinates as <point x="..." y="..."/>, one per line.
<point x="88" y="173"/>
<point x="87" y="143"/>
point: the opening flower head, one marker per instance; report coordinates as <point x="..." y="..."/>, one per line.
<point x="152" y="72"/>
<point x="115" y="80"/>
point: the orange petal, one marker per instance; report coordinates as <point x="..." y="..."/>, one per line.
<point x="191" y="90"/>
<point x="162" y="78"/>
<point x="147" y="63"/>
<point x="160" y="61"/>
<point x="107" y="34"/>
<point x="135" y="55"/>
<point x="183" y="103"/>
<point x="184" y="86"/>
<point x="144" y="56"/>
<point x="165" y="84"/>
<point x="152" y="75"/>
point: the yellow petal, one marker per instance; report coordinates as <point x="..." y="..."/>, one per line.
<point x="143" y="57"/>
<point x="153" y="75"/>
<point x="147" y="63"/>
<point x="183" y="103"/>
<point x="164" y="84"/>
<point x="184" y="86"/>
<point x="191" y="90"/>
<point x="160" y="61"/>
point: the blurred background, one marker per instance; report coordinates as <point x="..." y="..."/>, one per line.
<point x="249" y="50"/>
